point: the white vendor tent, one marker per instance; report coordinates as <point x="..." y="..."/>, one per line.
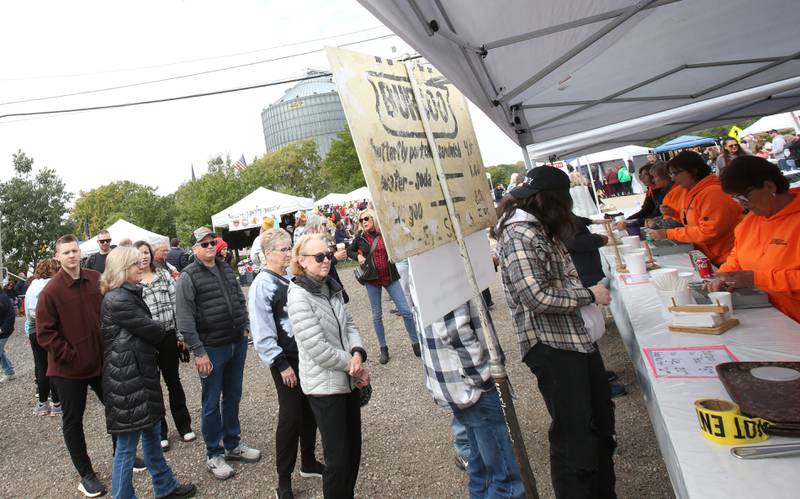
<point x="359" y="194"/>
<point x="774" y="122"/>
<point x="119" y="230"/>
<point x="332" y="198"/>
<point x="577" y="76"/>
<point x="250" y="211"/>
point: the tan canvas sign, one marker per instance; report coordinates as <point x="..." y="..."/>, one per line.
<point x="396" y="157"/>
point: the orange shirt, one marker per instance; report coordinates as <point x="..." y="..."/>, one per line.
<point x="709" y="217"/>
<point x="674" y="199"/>
<point x="770" y="247"/>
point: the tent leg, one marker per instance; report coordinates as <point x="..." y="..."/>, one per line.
<point x="527" y="158"/>
<point x="591" y="181"/>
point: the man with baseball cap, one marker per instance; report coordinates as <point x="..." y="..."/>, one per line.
<point x="212" y="316"/>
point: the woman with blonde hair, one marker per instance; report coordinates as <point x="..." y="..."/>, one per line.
<point x="369" y="247"/>
<point x="299" y="226"/>
<point x="45" y="270"/>
<point x="330" y="362"/>
<point x="132" y="395"/>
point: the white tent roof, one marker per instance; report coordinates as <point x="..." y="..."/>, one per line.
<point x="249" y="212"/>
<point x="544" y="70"/>
<point x="359" y="194"/>
<point x="773" y="122"/>
<point x="119" y="230"/>
<point x="332" y="198"/>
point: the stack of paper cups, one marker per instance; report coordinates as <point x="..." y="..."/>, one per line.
<point x="636" y="262"/>
<point x="632" y="241"/>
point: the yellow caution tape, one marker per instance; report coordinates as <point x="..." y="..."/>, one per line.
<point x="722" y="422"/>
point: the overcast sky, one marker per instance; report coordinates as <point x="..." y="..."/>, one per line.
<point x="51" y="48"/>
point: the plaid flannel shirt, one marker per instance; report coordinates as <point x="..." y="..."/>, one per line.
<point x="159" y="296"/>
<point x="455" y="359"/>
<point x="542" y="288"/>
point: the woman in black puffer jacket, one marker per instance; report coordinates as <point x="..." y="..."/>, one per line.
<point x="131" y="379"/>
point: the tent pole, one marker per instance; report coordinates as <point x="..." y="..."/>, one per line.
<point x="498" y="370"/>
<point x="527" y="158"/>
<point x="796" y="121"/>
<point x="591" y="181"/>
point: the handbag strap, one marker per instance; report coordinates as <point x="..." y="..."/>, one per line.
<point x="373" y="245"/>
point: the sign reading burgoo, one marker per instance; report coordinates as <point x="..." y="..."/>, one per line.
<point x="397" y="159"/>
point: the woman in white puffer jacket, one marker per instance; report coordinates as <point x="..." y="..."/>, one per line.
<point x="331" y="357"/>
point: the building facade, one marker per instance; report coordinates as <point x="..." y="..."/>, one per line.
<point x="309" y="110"/>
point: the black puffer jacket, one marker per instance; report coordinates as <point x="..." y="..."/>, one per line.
<point x="131" y="379"/>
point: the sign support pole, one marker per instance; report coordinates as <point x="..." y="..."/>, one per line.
<point x="497" y="368"/>
<point x="591" y="181"/>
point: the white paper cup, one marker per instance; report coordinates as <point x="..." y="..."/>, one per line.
<point x="632" y="241"/>
<point x="636" y="262"/>
<point x="339" y="246"/>
<point x="723" y="297"/>
<point x="683" y="297"/>
<point x="627" y="248"/>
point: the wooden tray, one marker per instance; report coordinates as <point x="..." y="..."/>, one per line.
<point x="775" y="401"/>
<point x="730" y="323"/>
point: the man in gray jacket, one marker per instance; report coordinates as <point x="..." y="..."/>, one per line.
<point x="212" y="317"/>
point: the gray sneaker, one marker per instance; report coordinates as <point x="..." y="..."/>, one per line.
<point x="41" y="409"/>
<point x="219" y="468"/>
<point x="244" y="454"/>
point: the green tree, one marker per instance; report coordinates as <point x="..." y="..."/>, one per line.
<point x="136" y="203"/>
<point x="197" y="200"/>
<point x="341" y="168"/>
<point x="293" y="169"/>
<point x="32" y="209"/>
<point x="501" y="173"/>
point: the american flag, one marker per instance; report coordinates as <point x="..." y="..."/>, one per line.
<point x="241" y="164"/>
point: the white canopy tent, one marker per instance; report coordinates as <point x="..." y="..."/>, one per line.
<point x="359" y="194"/>
<point x="546" y="71"/>
<point x="120" y="230"/>
<point x="624" y="154"/>
<point x="249" y="212"/>
<point x="774" y="122"/>
<point x="332" y="198"/>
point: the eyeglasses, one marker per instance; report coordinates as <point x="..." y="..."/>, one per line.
<point x="282" y="250"/>
<point x="732" y="146"/>
<point x="365" y="219"/>
<point x="743" y="199"/>
<point x="319" y="257"/>
<point x="212" y="243"/>
<point x="103" y="241"/>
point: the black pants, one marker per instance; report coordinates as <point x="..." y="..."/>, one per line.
<point x="168" y="363"/>
<point x="43" y="385"/>
<point x="73" y="401"/>
<point x="295" y="423"/>
<point x="576" y="391"/>
<point x="339" y="421"/>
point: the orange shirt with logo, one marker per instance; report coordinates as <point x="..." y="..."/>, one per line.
<point x="770" y="247"/>
<point x="709" y="217"/>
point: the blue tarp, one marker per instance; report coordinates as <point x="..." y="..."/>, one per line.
<point x="683" y="142"/>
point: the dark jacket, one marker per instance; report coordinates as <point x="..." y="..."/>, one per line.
<point x="583" y="249"/>
<point x="361" y="243"/>
<point x="8" y="314"/>
<point x="68" y="325"/>
<point x="131" y="379"/>
<point x="220" y="310"/>
<point x="177" y="258"/>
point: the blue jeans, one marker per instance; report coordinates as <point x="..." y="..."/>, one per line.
<point x="225" y="382"/>
<point x="395" y="291"/>
<point x="164" y="481"/>
<point x="5" y="362"/>
<point x="460" y="439"/>
<point x="493" y="470"/>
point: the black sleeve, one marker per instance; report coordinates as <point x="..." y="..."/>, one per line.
<point x="135" y="320"/>
<point x="352" y="250"/>
<point x="585" y="242"/>
<point x="647" y="207"/>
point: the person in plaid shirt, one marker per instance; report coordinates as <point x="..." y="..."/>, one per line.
<point x="159" y="295"/>
<point x="546" y="298"/>
<point x="456" y="368"/>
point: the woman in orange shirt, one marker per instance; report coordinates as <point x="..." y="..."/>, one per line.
<point x="709" y="216"/>
<point x="767" y="250"/>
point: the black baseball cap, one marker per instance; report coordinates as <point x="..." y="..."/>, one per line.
<point x="541" y="178"/>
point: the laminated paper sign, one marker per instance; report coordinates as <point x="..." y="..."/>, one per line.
<point x="396" y="157"/>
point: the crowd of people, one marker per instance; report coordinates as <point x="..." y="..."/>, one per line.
<point x="123" y="319"/>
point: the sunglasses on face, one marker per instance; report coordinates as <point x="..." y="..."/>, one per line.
<point x="365" y="219"/>
<point x="319" y="257"/>
<point x="104" y="241"/>
<point x="212" y="243"/>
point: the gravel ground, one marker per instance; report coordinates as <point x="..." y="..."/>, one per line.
<point x="407" y="449"/>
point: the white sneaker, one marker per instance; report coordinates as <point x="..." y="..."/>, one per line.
<point x="189" y="437"/>
<point x="244" y="454"/>
<point x="7" y="377"/>
<point x="219" y="468"/>
<point x="165" y="444"/>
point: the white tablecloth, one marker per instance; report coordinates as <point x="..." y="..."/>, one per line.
<point x="697" y="467"/>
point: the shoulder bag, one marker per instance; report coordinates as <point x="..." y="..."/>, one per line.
<point x="367" y="270"/>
